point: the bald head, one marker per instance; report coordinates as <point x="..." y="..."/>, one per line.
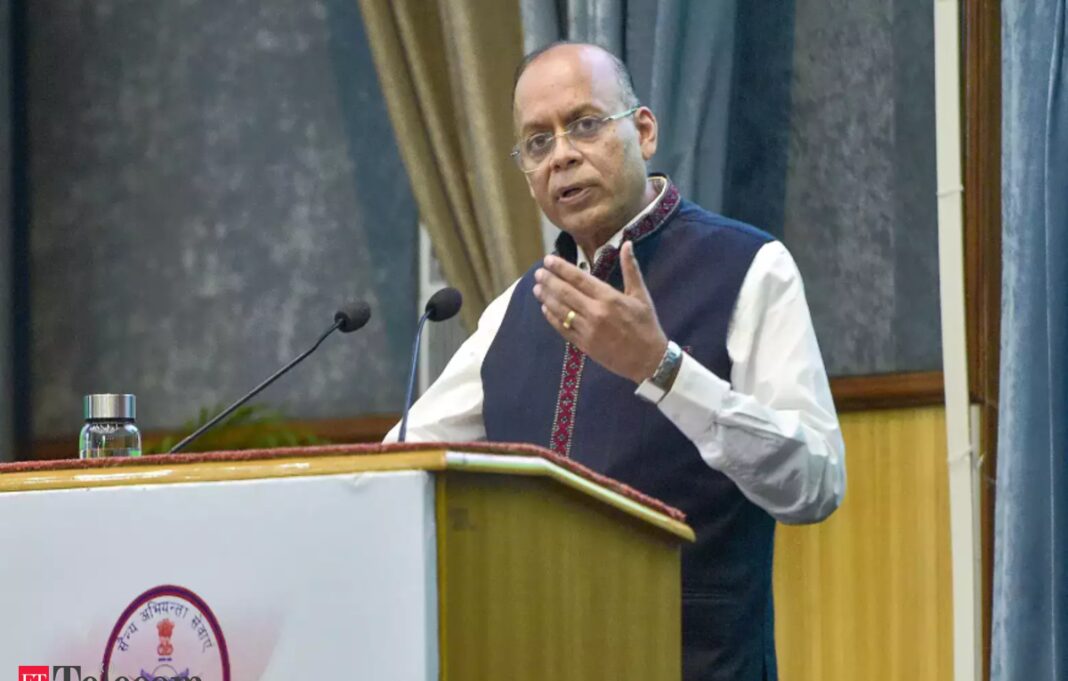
<point x="587" y="51"/>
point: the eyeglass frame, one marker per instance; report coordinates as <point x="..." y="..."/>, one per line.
<point x="516" y="154"/>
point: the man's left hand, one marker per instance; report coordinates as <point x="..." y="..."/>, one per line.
<point x="619" y="331"/>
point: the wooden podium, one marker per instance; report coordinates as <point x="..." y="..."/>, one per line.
<point x="457" y="562"/>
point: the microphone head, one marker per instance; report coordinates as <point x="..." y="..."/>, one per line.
<point x="444" y="304"/>
<point x="353" y="316"/>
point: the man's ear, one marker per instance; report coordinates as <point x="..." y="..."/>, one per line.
<point x="647" y="127"/>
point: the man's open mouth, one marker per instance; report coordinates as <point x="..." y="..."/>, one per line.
<point x="571" y="193"/>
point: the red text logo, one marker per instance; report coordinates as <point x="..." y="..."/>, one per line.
<point x="33" y="673"/>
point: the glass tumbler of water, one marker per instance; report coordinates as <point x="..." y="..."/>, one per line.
<point x="110" y="428"/>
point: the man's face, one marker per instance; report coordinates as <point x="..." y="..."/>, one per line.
<point x="588" y="189"/>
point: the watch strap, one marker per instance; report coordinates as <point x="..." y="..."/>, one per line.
<point x="656" y="386"/>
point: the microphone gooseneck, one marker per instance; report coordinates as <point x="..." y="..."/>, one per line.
<point x="444" y="304"/>
<point x="349" y="318"/>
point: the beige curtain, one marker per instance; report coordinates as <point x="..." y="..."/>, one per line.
<point x="446" y="72"/>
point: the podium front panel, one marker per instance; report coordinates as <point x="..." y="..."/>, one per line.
<point x="258" y="580"/>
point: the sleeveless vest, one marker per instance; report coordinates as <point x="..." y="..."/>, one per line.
<point x="541" y="390"/>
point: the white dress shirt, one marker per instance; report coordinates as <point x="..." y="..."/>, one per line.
<point x="772" y="429"/>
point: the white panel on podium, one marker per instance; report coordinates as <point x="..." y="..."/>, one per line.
<point x="296" y="578"/>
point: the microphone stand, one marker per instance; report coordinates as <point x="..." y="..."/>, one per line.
<point x="255" y="391"/>
<point x="411" y="377"/>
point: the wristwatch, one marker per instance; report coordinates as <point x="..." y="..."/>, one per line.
<point x="656" y="386"/>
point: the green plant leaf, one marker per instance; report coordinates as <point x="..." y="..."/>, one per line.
<point x="250" y="426"/>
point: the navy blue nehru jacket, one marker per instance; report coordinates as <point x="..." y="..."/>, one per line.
<point x="542" y="390"/>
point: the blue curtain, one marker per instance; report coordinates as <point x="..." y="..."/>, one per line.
<point x="1030" y="618"/>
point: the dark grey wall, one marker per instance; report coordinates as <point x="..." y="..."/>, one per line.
<point x="860" y="211"/>
<point x="209" y="181"/>
<point x="6" y="378"/>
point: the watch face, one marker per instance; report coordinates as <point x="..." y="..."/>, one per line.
<point x="667" y="365"/>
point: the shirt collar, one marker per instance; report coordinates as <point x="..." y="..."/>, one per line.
<point x="662" y="184"/>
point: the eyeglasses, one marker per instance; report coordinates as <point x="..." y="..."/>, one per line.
<point x="532" y="152"/>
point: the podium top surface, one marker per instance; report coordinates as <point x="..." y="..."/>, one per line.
<point x="478" y="457"/>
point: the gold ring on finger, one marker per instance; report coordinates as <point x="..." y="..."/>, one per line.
<point x="571" y="314"/>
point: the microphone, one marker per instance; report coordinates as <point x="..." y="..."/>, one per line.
<point x="349" y="318"/>
<point x="442" y="305"/>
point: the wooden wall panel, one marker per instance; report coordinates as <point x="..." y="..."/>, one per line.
<point x="867" y="594"/>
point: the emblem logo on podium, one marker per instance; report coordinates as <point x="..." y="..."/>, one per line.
<point x="165" y="628"/>
<point x="167" y="632"/>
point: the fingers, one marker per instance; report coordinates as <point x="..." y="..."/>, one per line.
<point x="557" y="322"/>
<point x="559" y="295"/>
<point x="585" y="283"/>
<point x="556" y="310"/>
<point x="559" y="299"/>
<point x="562" y="288"/>
<point x="633" y="282"/>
